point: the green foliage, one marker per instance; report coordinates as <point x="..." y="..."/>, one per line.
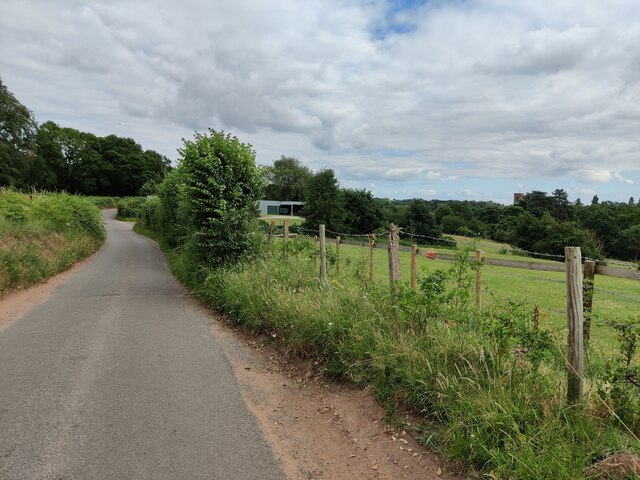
<point x="17" y="133"/>
<point x="103" y="202"/>
<point x="218" y="188"/>
<point x="52" y="157"/>
<point x="171" y="225"/>
<point x="363" y="214"/>
<point x="149" y="214"/>
<point x="129" y="207"/>
<point x="325" y="203"/>
<point x="287" y="179"/>
<point x="41" y="235"/>
<point x="420" y="219"/>
<point x="628" y="243"/>
<point x="477" y="379"/>
<point x="547" y="235"/>
<point x="621" y="385"/>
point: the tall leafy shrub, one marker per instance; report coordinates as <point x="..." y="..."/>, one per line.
<point x="169" y="224"/>
<point x="219" y="190"/>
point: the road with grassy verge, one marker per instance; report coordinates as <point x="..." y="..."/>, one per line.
<point x="117" y="376"/>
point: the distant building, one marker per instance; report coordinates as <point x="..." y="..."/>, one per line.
<point x="277" y="207"/>
<point x="517" y="197"/>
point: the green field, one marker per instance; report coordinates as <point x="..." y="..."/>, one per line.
<point x="279" y="219"/>
<point x="537" y="288"/>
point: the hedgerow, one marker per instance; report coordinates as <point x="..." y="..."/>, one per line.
<point x="43" y="234"/>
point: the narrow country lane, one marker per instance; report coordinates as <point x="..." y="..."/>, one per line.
<point x="117" y="376"/>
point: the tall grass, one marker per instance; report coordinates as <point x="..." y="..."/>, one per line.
<point x="43" y="234"/>
<point x="489" y="386"/>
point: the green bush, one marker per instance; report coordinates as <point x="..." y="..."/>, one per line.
<point x="219" y="194"/>
<point x="170" y="225"/>
<point x="149" y="214"/>
<point x="129" y="207"/>
<point x="207" y="206"/>
<point x="104" y="202"/>
<point x="43" y="234"/>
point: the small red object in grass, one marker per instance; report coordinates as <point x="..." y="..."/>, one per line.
<point x="430" y="254"/>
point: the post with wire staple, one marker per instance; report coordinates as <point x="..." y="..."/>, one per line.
<point x="479" y="261"/>
<point x="286" y="239"/>
<point x="575" y="345"/>
<point x="587" y="293"/>
<point x="323" y="255"/>
<point x="394" y="256"/>
<point x="372" y="246"/>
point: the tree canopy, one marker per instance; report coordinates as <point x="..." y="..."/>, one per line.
<point x="288" y="179"/>
<point x="17" y="135"/>
<point x="325" y="203"/>
<point x="52" y="157"/>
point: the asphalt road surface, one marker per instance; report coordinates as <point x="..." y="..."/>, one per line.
<point x="117" y="376"/>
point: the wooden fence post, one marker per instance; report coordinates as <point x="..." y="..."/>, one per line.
<point x="272" y="228"/>
<point x="323" y="255"/>
<point x="286" y="239"/>
<point x="414" y="254"/>
<point x="338" y="254"/>
<point x="587" y="293"/>
<point x="394" y="255"/>
<point x="575" y="347"/>
<point x="372" y="246"/>
<point x="479" y="256"/>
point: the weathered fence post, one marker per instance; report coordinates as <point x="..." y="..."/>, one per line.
<point x="286" y="239"/>
<point x="414" y="254"/>
<point x="1" y="191"/>
<point x="323" y="255"/>
<point x="372" y="246"/>
<point x="338" y="254"/>
<point x="272" y="227"/>
<point x="587" y="292"/>
<point x="394" y="255"/>
<point x="575" y="347"/>
<point x="479" y="256"/>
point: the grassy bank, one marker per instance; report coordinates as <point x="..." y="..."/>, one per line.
<point x="43" y="234"/>
<point x="490" y="386"/>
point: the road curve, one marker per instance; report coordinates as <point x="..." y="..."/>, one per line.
<point x="117" y="376"/>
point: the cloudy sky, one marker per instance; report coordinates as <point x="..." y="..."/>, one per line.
<point x="407" y="98"/>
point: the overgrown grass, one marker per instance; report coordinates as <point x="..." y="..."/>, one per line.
<point x="43" y="234"/>
<point x="490" y="386"/>
<point x="615" y="298"/>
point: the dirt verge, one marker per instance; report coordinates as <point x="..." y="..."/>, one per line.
<point x="319" y="429"/>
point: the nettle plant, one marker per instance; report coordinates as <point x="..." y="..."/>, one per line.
<point x="621" y="381"/>
<point x="443" y="294"/>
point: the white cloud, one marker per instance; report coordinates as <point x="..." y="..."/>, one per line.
<point x="473" y="89"/>
<point x="595" y="176"/>
<point x="619" y="177"/>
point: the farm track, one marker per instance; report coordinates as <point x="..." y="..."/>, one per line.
<point x="117" y="376"/>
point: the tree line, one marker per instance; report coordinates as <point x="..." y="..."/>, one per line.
<point x="539" y="222"/>
<point x="51" y="157"/>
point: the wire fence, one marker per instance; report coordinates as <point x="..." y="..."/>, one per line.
<point x="578" y="292"/>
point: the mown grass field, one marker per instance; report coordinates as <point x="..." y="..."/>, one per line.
<point x="279" y="219"/>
